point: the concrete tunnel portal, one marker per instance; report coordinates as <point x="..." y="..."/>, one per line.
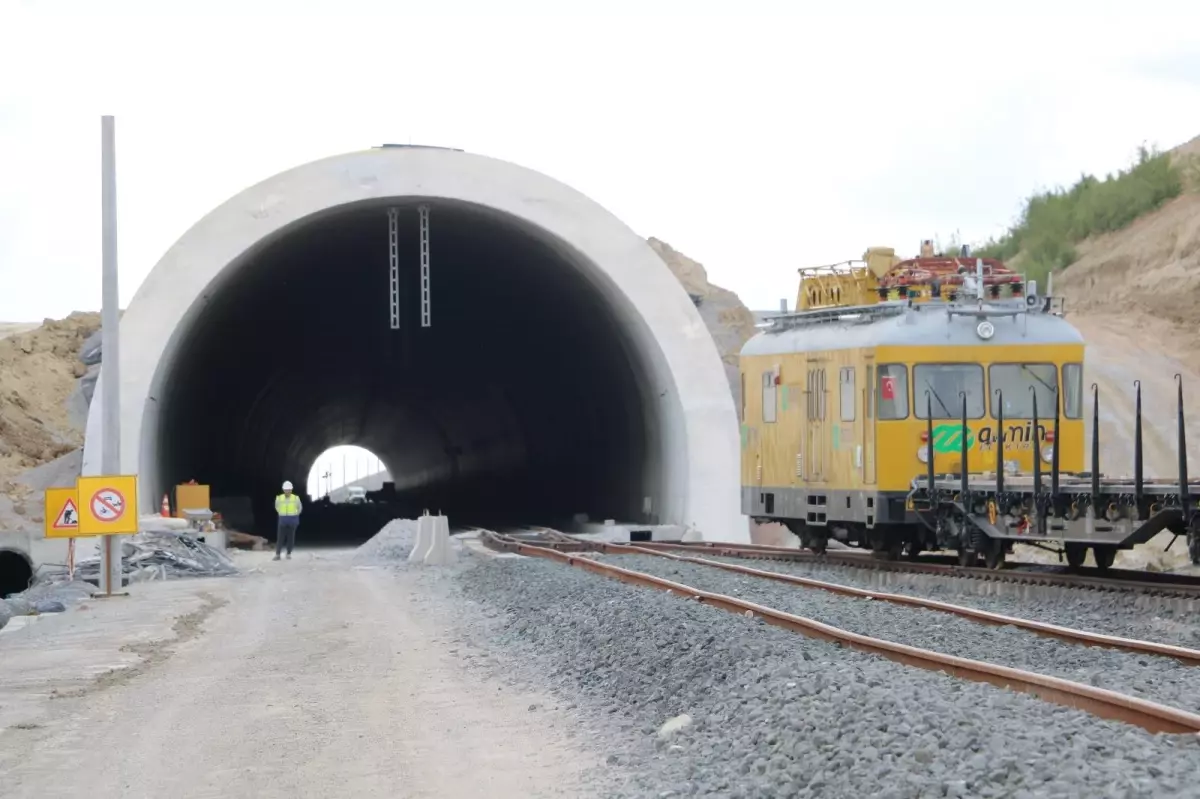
<point x="564" y="369"/>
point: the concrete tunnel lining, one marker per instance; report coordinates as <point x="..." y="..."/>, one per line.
<point x="693" y="456"/>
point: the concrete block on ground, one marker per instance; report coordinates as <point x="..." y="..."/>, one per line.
<point x="440" y="552"/>
<point x="424" y="539"/>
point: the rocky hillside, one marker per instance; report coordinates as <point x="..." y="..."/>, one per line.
<point x="45" y="380"/>
<point x="729" y="321"/>
<point x="1135" y="295"/>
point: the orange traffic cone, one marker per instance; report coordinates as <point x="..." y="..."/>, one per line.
<point x="166" y="507"/>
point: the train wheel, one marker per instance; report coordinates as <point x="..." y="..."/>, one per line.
<point x="1104" y="555"/>
<point x="818" y="545"/>
<point x="967" y="557"/>
<point x="1075" y="554"/>
<point x="993" y="554"/>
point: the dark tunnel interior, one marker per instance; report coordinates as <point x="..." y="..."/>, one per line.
<point x="522" y="403"/>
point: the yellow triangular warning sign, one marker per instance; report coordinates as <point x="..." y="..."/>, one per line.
<point x="67" y="517"/>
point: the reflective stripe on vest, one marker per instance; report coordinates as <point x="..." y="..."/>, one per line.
<point x="287" y="505"/>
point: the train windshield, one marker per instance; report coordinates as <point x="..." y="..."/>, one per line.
<point x="944" y="382"/>
<point x="1019" y="383"/>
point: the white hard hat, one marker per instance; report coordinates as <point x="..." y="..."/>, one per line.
<point x="287" y="485"/>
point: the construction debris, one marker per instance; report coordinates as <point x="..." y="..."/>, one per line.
<point x="163" y="555"/>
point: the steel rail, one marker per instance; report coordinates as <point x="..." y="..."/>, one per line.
<point x="1190" y="657"/>
<point x="1100" y="702"/>
<point x="1183" y="586"/>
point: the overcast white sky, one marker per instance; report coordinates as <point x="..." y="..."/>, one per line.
<point x="756" y="140"/>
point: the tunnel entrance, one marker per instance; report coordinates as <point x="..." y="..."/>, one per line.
<point x="525" y="401"/>
<point x="15" y="572"/>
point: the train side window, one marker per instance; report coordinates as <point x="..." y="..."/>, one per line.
<point x="768" y="396"/>
<point x="822" y="394"/>
<point x="944" y="381"/>
<point x="893" y="391"/>
<point x="810" y="394"/>
<point x="1072" y="377"/>
<point x="742" y="398"/>
<point x="846" y="396"/>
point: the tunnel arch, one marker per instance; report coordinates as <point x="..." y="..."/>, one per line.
<point x="690" y="466"/>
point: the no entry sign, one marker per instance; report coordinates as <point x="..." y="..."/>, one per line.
<point x="108" y="505"/>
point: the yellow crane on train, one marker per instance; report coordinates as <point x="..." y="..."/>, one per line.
<point x="937" y="402"/>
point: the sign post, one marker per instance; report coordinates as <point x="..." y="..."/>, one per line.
<point x="110" y="435"/>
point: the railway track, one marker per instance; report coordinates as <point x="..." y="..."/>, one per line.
<point x="1158" y="584"/>
<point x="1152" y="716"/>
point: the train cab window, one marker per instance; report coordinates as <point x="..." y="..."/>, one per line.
<point x="846" y="395"/>
<point x="768" y="396"/>
<point x="892" y="391"/>
<point x="1072" y="377"/>
<point x="944" y="381"/>
<point x="1015" y="381"/>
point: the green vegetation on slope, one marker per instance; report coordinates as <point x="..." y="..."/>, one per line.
<point x="1053" y="222"/>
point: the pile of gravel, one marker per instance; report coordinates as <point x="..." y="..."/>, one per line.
<point x="392" y="544"/>
<point x="758" y="711"/>
<point x="1158" y="679"/>
<point x="1083" y="610"/>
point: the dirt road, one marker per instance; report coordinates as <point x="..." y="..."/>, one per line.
<point x="307" y="678"/>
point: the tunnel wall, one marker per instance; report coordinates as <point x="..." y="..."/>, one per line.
<point x="699" y="453"/>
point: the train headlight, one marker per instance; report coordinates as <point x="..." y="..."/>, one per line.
<point x="1048" y="453"/>
<point x="1011" y="467"/>
<point x="985" y="330"/>
<point x="923" y="453"/>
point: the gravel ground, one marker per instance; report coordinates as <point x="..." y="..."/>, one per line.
<point x="1159" y="679"/>
<point x="1083" y="610"/>
<point x="693" y="701"/>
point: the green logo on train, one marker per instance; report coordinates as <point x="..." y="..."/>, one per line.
<point x="1019" y="436"/>
<point x="948" y="438"/>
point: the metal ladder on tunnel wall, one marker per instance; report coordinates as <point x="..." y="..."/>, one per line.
<point x="394" y="265"/>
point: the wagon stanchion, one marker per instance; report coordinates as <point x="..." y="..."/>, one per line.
<point x="1138" y="477"/>
<point x="1000" y="446"/>
<point x="965" y="489"/>
<point x="1037" y="468"/>
<point x="1095" y="459"/>
<point x="930" y="471"/>
<point x="1183" y="470"/>
<point x="1055" y="447"/>
<point x="1188" y="513"/>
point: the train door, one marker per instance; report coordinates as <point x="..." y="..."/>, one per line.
<point x="770" y="411"/>
<point x="868" y="429"/>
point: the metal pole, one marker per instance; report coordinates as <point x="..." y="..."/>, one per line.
<point x="1138" y="475"/>
<point x="1037" y="465"/>
<point x="110" y="441"/>
<point x="1000" y="446"/>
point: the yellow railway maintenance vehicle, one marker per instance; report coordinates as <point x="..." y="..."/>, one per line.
<point x="937" y="403"/>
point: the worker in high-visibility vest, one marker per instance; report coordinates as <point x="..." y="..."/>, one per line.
<point x="287" y="505"/>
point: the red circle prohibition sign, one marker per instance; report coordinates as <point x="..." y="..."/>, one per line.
<point x="108" y="505"/>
